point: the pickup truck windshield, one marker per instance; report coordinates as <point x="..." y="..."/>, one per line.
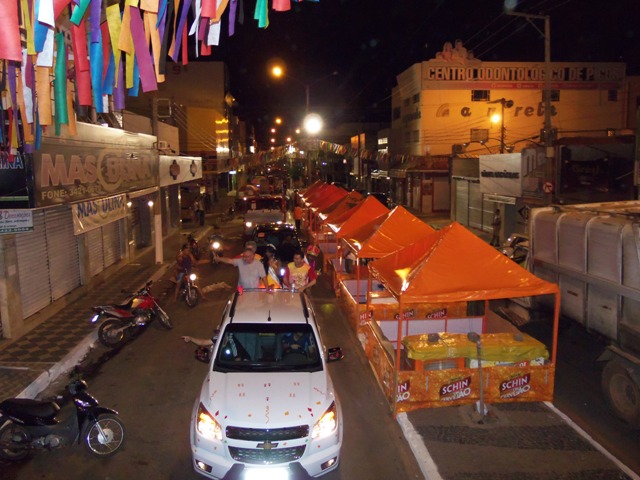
<point x="269" y="347"/>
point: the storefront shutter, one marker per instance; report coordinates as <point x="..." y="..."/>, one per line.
<point x="112" y="242"/>
<point x="62" y="249"/>
<point x="33" y="267"/>
<point x="96" y="251"/>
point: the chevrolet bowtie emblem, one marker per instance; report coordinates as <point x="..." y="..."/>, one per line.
<point x="267" y="445"/>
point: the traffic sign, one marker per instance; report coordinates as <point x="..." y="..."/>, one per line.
<point x="547" y="187"/>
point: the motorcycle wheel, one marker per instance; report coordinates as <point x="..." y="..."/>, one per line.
<point x="14" y="440"/>
<point x="191" y="297"/>
<point x="110" y="333"/>
<point x="164" y="319"/>
<point x="105" y="436"/>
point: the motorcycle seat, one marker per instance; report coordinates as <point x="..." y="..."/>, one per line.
<point x="26" y="406"/>
<point x="126" y="305"/>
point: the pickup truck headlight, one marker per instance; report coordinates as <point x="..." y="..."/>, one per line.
<point x="327" y="423"/>
<point x="207" y="425"/>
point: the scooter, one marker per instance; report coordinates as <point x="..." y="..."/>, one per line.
<point x="28" y="425"/>
<point x="123" y="320"/>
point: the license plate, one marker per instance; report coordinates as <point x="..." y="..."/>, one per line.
<point x="276" y="473"/>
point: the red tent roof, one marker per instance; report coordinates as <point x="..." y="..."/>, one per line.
<point x="340" y="212"/>
<point x="455" y="265"/>
<point x="387" y="234"/>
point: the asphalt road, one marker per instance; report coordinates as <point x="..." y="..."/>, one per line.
<point x="154" y="380"/>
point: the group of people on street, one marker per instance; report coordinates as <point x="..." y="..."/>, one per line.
<point x="254" y="272"/>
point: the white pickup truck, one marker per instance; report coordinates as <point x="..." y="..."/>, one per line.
<point x="267" y="407"/>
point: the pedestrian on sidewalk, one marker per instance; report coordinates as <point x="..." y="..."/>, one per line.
<point x="496" y="223"/>
<point x="198" y="210"/>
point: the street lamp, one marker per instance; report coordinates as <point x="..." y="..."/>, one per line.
<point x="495" y="118"/>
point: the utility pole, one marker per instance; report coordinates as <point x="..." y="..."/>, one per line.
<point x="552" y="170"/>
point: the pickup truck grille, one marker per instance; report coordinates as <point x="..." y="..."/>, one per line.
<point x="266" y="457"/>
<point x="263" y="434"/>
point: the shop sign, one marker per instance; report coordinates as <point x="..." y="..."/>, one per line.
<point x="501" y="174"/>
<point x="178" y="169"/>
<point x="395" y="173"/>
<point x="83" y="170"/>
<point x="14" y="221"/>
<point x="91" y="214"/>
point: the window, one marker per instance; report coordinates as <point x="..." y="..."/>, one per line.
<point x="416" y="98"/>
<point x="415" y="136"/>
<point x="479" y="134"/>
<point x="406" y="102"/>
<point x="480" y="95"/>
<point x="397" y="113"/>
<point x="612" y="95"/>
<point x="407" y="136"/>
<point x="555" y="95"/>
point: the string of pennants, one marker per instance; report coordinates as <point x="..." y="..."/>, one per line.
<point x="385" y="160"/>
<point x="98" y="51"/>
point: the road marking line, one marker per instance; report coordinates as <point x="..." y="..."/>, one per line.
<point x="416" y="443"/>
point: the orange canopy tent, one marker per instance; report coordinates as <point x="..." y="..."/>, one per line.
<point x="385" y="234"/>
<point x="454" y="265"/>
<point x="330" y="196"/>
<point x="316" y="194"/>
<point x="353" y="219"/>
<point x="398" y="229"/>
<point x="311" y="188"/>
<point x="341" y="207"/>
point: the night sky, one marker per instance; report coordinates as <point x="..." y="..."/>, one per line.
<point x="369" y="42"/>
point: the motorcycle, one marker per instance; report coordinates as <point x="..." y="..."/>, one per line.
<point x="122" y="320"/>
<point x="28" y="425"/>
<point x="193" y="246"/>
<point x="216" y="246"/>
<point x="189" y="291"/>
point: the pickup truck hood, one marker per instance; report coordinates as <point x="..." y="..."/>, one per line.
<point x="270" y="400"/>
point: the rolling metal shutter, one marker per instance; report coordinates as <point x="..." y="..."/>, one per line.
<point x="62" y="250"/>
<point x="96" y="251"/>
<point x="112" y="242"/>
<point x="33" y="267"/>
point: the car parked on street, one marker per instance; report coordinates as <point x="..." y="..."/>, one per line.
<point x="267" y="407"/>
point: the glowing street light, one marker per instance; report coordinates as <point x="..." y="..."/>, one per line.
<point x="313" y="123"/>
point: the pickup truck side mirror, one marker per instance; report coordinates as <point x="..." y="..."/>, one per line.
<point x="334" y="354"/>
<point x="203" y="354"/>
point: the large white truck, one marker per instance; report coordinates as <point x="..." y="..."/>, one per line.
<point x="593" y="252"/>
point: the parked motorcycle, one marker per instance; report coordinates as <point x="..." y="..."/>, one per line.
<point x="189" y="291"/>
<point x="123" y="320"/>
<point x="28" y="425"/>
<point x="216" y="246"/>
<point x="193" y="246"/>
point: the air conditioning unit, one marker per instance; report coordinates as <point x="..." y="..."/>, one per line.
<point x="163" y="145"/>
<point x="458" y="148"/>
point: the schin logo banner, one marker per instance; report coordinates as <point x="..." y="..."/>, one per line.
<point x="92" y="214"/>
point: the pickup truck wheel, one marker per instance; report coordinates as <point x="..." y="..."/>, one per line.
<point x="621" y="392"/>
